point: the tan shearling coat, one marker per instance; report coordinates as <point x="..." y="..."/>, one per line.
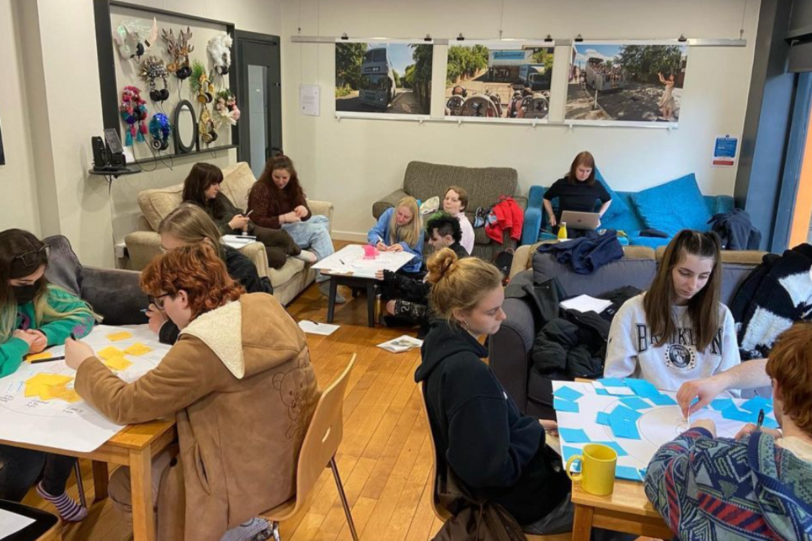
<point x="240" y="385"/>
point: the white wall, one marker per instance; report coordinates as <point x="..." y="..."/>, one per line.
<point x="61" y="75"/>
<point x="18" y="207"/>
<point x="354" y="162"/>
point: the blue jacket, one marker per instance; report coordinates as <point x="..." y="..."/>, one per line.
<point x="586" y="255"/>
<point x="720" y="489"/>
<point x="381" y="232"/>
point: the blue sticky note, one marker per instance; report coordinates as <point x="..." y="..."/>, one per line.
<point x="624" y="428"/>
<point x="574" y="435"/>
<point x="635" y="403"/>
<point x="721" y="404"/>
<point x="662" y="400"/>
<point x="642" y="387"/>
<point x="735" y="414"/>
<point x="758" y="403"/>
<point x="565" y="405"/>
<point x="603" y="418"/>
<point x="769" y="422"/>
<point x="626" y="413"/>
<point x="628" y="473"/>
<point x="570" y="451"/>
<point x="568" y="393"/>
<point x="614" y="445"/>
<point x="612" y="382"/>
<point x="602" y="392"/>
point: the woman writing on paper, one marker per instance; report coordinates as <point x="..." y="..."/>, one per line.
<point x="278" y="201"/>
<point x="399" y="229"/>
<point x="677" y="331"/>
<point x="578" y="191"/>
<point x="35" y="314"/>
<point x="186" y="225"/>
<point x="242" y="390"/>
<point x="202" y="187"/>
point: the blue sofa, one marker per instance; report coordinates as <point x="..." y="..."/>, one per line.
<point x="631" y="222"/>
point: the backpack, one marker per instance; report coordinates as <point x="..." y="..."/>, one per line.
<point x="503" y="261"/>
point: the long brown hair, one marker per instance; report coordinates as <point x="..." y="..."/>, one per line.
<point x="293" y="189"/>
<point x="703" y="308"/>
<point x="201" y="178"/>
<point x="190" y="224"/>
<point x="584" y="159"/>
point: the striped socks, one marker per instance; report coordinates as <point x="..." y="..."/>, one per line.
<point x="69" y="510"/>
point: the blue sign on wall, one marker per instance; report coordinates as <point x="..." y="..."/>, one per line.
<point x="509" y="55"/>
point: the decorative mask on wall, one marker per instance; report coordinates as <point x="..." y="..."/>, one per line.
<point x="178" y="48"/>
<point x="159" y="129"/>
<point x="201" y="84"/>
<point x="134" y="37"/>
<point x="133" y="110"/>
<point x="226" y="112"/>
<point x="152" y="69"/>
<point x="219" y="49"/>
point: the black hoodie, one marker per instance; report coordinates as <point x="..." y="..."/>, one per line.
<point x="491" y="446"/>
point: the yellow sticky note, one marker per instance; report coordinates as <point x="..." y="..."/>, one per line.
<point x="49" y="380"/>
<point x="50" y="392"/>
<point x="110" y="352"/>
<point x="38" y="356"/>
<point x="137" y="349"/>
<point x="117" y="363"/>
<point x="116" y="336"/>
<point x="68" y="395"/>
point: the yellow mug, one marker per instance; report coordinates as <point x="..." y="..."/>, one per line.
<point x="597" y="469"/>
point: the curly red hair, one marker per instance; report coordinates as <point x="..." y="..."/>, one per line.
<point x="195" y="269"/>
<point x="790" y="365"/>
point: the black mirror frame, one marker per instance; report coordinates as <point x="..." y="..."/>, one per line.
<point x="180" y="146"/>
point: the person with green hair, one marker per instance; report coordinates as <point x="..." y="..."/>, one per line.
<point x="34" y="315"/>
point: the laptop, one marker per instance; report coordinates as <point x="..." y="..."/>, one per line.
<point x="581" y="220"/>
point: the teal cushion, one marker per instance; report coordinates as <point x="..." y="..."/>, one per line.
<point x="618" y="206"/>
<point x="673" y="206"/>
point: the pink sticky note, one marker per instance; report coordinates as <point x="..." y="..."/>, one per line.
<point x="370" y="252"/>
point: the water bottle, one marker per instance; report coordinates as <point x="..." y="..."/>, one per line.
<point x="562" y="231"/>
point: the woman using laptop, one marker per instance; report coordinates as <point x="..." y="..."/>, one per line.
<point x="577" y="191"/>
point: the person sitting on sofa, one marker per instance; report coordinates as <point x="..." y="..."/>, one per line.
<point x="678" y="330"/>
<point x="187" y="225"/>
<point x="35" y="314"/>
<point x="202" y="187"/>
<point x="239" y="383"/>
<point x="577" y="191"/>
<point x="399" y="229"/>
<point x="407" y="299"/>
<point x="455" y="201"/>
<point x="278" y="201"/>
<point x="754" y="487"/>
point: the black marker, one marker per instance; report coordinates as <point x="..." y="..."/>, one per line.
<point x="760" y="419"/>
<point x="36" y="361"/>
<point x="72" y="336"/>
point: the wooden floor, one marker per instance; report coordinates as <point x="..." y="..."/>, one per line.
<point x="384" y="459"/>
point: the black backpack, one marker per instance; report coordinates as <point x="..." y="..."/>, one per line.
<point x="503" y="262"/>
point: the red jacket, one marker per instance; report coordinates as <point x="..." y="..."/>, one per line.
<point x="508" y="216"/>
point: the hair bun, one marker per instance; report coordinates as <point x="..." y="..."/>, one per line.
<point x="441" y="265"/>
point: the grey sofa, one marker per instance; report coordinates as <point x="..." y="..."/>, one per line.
<point x="484" y="186"/>
<point x="510" y="348"/>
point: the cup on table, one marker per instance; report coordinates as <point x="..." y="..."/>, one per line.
<point x="597" y="469"/>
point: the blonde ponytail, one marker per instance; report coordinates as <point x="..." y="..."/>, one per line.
<point x="459" y="284"/>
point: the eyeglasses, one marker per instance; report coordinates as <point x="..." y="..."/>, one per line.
<point x="159" y="300"/>
<point x="33" y="257"/>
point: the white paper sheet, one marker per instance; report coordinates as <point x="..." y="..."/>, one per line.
<point x="401" y="344"/>
<point x="585" y="303"/>
<point x="309" y="100"/>
<point x="312" y="327"/>
<point x="12" y="523"/>
<point x="350" y="261"/>
<point x="59" y="424"/>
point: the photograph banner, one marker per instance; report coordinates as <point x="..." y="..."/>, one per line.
<point x="499" y="80"/>
<point x="388" y="77"/>
<point x="626" y="83"/>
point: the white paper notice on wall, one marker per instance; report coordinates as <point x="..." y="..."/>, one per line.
<point x="725" y="149"/>
<point x="309" y="100"/>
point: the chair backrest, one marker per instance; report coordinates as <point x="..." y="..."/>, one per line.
<point x="439" y="511"/>
<point x="323" y="435"/>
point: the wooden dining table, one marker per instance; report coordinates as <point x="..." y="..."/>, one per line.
<point x="134" y="446"/>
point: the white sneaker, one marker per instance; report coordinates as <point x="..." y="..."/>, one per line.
<point x="256" y="529"/>
<point x="307" y="256"/>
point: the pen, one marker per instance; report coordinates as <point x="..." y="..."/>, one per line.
<point x="72" y="336"/>
<point x="760" y="419"/>
<point x="35" y="361"/>
<point x="144" y="310"/>
<point x="342" y="261"/>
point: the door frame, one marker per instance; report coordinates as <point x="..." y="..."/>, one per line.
<point x="242" y="37"/>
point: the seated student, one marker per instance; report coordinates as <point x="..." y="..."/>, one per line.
<point x="240" y="384"/>
<point x="493" y="448"/>
<point x="455" y="201"/>
<point x="756" y="487"/>
<point x="35" y="314"/>
<point x="677" y="331"/>
<point x="407" y="298"/>
<point x="577" y="191"/>
<point x="187" y="225"/>
<point x="202" y="187"/>
<point x="277" y="201"/>
<point x="399" y="229"/>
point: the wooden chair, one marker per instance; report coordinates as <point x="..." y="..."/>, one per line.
<point x="318" y="451"/>
<point x="441" y="512"/>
